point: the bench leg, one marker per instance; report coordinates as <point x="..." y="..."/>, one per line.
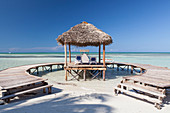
<point x="49" y="90"/>
<point x="7" y="100"/>
<point x="44" y="90"/>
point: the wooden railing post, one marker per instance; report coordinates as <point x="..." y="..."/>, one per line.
<point x="104" y="54"/>
<point x="104" y="61"/>
<point x="69" y="53"/>
<point x="99" y="52"/>
<point x="65" y="44"/>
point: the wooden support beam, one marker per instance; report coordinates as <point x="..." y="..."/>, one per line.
<point x="44" y="90"/>
<point x="33" y="71"/>
<point x="65" y="44"/>
<point x="51" y="68"/>
<point x="84" y="75"/>
<point x="66" y="75"/>
<point x="37" y="70"/>
<point x="49" y="90"/>
<point x="78" y="72"/>
<point x="65" y="50"/>
<point x="94" y="76"/>
<point x="104" y="54"/>
<point x="74" y="76"/>
<point x="128" y="68"/>
<point x="131" y="69"/>
<point x="141" y="70"/>
<point x="103" y="75"/>
<point x="29" y="71"/>
<point x="86" y="68"/>
<point x="117" y="67"/>
<point x="99" y="52"/>
<point x="69" y="53"/>
<point x="43" y="69"/>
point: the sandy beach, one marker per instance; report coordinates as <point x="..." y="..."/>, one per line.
<point x="94" y="96"/>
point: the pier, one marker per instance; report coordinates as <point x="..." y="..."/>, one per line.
<point x="20" y="80"/>
<point x="151" y="85"/>
<point x="149" y="82"/>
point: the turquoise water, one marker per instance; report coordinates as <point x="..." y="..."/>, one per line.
<point x="17" y="59"/>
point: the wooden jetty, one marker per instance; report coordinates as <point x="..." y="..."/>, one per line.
<point x="151" y="82"/>
<point x="150" y="85"/>
<point x="20" y="80"/>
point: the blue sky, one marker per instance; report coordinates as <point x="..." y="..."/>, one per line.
<point x="135" y="25"/>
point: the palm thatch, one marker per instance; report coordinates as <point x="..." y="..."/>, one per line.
<point x="84" y="34"/>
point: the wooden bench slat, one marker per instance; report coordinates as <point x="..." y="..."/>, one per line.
<point x="148" y="80"/>
<point x="23" y="84"/>
<point x="145" y="89"/>
<point x="154" y="100"/>
<point x="26" y="91"/>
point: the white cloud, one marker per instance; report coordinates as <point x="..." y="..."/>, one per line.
<point x="34" y="49"/>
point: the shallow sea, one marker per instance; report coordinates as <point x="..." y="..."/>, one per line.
<point x="12" y="60"/>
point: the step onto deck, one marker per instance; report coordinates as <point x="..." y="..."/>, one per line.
<point x="140" y="96"/>
<point x="147" y="89"/>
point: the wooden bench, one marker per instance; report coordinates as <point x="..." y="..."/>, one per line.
<point x="143" y="87"/>
<point x="6" y="98"/>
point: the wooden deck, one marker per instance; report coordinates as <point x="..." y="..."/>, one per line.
<point x="75" y="69"/>
<point x="19" y="80"/>
<point x="150" y="85"/>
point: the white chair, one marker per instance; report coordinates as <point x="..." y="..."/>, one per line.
<point x="85" y="59"/>
<point x="93" y="60"/>
<point x="78" y="60"/>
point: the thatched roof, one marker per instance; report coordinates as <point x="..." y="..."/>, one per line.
<point x="84" y="34"/>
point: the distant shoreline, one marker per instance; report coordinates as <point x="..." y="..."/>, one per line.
<point x="89" y="52"/>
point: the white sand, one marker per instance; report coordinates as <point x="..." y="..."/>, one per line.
<point x="94" y="96"/>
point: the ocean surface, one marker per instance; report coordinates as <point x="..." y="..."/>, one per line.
<point x="17" y="59"/>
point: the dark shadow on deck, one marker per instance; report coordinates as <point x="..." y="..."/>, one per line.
<point x="62" y="104"/>
<point x="35" y="94"/>
<point x="113" y="73"/>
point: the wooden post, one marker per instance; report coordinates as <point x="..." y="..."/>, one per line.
<point x="51" y="68"/>
<point x="104" y="54"/>
<point x="37" y="70"/>
<point x="141" y="70"/>
<point x="131" y="69"/>
<point x="104" y="61"/>
<point x="42" y="69"/>
<point x="99" y="52"/>
<point x="69" y="53"/>
<point x="49" y="90"/>
<point x="44" y="90"/>
<point x="117" y="67"/>
<point x="65" y="44"/>
<point x="103" y="75"/>
<point x="84" y="75"/>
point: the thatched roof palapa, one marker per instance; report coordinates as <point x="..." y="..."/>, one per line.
<point x="84" y="34"/>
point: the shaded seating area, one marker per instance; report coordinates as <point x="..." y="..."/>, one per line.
<point x="83" y="35"/>
<point x="85" y="59"/>
<point x="93" y="60"/>
<point x="78" y="59"/>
